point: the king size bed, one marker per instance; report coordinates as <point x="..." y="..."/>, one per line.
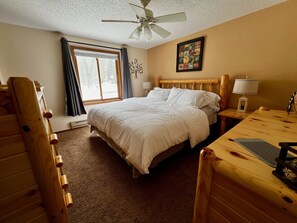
<point x="175" y="114"/>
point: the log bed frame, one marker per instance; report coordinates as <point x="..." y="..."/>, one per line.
<point x="216" y="85"/>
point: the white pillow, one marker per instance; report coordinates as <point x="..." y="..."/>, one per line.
<point x="215" y="101"/>
<point x="197" y="98"/>
<point x="159" y="93"/>
<point x="164" y="90"/>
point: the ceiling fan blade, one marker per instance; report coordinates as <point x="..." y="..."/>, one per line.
<point x="110" y="20"/>
<point x="140" y="12"/>
<point x="159" y="30"/>
<point x="136" y="33"/>
<point x="176" y="17"/>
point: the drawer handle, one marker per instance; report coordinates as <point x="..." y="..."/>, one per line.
<point x="47" y="113"/>
<point x="59" y="161"/>
<point x="64" y="181"/>
<point x="68" y="200"/>
<point x="53" y="139"/>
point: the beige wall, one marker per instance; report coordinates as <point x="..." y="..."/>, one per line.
<point x="37" y="54"/>
<point x="141" y="56"/>
<point x="1" y="78"/>
<point x="262" y="45"/>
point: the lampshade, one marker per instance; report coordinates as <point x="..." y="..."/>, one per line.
<point x="136" y="33"/>
<point x="146" y="85"/>
<point x="147" y="33"/>
<point x="245" y="86"/>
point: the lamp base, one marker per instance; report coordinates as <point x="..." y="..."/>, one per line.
<point x="242" y="104"/>
<point x="146" y="92"/>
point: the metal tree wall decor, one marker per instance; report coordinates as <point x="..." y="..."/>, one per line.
<point x="135" y="68"/>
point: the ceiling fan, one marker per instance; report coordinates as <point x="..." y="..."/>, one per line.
<point x="148" y="23"/>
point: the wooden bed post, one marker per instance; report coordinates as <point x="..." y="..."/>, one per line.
<point x="40" y="152"/>
<point x="203" y="187"/>
<point x="224" y="91"/>
<point x="157" y="82"/>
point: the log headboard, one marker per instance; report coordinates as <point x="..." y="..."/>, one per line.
<point x="216" y="85"/>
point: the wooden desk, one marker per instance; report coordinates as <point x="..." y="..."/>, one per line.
<point x="231" y="114"/>
<point x="234" y="185"/>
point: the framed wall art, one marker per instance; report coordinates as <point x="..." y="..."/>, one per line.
<point x="189" y="55"/>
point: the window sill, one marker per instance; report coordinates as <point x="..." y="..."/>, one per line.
<point x="93" y="102"/>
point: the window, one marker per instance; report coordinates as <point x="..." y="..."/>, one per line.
<point x="98" y="73"/>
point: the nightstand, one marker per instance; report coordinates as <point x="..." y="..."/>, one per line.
<point x="231" y="117"/>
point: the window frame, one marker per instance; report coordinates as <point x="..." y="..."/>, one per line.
<point x="118" y="73"/>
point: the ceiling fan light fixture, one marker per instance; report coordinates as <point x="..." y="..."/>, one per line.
<point x="147" y="33"/>
<point x="144" y="2"/>
<point x="148" y="23"/>
<point x="136" y="33"/>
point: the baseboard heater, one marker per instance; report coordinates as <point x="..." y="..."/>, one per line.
<point x="78" y="124"/>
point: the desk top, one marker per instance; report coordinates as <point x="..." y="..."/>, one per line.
<point x="272" y="126"/>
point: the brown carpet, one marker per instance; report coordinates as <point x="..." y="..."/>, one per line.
<point x="103" y="189"/>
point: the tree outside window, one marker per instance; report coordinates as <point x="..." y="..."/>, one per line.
<point x="98" y="74"/>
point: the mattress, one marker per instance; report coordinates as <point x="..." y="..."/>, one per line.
<point x="143" y="128"/>
<point x="211" y="114"/>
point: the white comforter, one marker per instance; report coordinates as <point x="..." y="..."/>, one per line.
<point x="143" y="128"/>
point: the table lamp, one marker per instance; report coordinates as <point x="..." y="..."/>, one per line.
<point x="146" y="86"/>
<point x="244" y="87"/>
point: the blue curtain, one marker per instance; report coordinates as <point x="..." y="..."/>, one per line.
<point x="74" y="105"/>
<point x="126" y="77"/>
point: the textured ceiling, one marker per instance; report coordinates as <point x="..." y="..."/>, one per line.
<point x="82" y="18"/>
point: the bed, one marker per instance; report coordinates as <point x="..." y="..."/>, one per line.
<point x="174" y="115"/>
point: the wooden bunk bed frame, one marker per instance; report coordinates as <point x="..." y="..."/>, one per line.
<point x="32" y="184"/>
<point x="216" y="85"/>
